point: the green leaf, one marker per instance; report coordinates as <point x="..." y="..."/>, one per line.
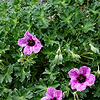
<point x="22" y="94"/>
<point x="94" y="49"/>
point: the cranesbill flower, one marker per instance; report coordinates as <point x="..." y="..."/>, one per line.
<point x="53" y="94"/>
<point x="30" y="43"/>
<point x="41" y="0"/>
<point x="81" y="78"/>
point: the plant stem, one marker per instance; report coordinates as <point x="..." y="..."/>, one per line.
<point x="75" y="96"/>
<point x="87" y="2"/>
<point x="98" y="67"/>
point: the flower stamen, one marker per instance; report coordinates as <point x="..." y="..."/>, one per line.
<point x="53" y="99"/>
<point x="31" y="42"/>
<point x="81" y="78"/>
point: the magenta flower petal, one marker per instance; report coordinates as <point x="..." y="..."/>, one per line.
<point x="41" y="0"/>
<point x="31" y="43"/>
<point x="45" y="98"/>
<point x="91" y="80"/>
<point x="37" y="48"/>
<point x="80" y="87"/>
<point x="73" y="83"/>
<point x="53" y="94"/>
<point x="27" y="35"/>
<point x="85" y="71"/>
<point x="59" y="94"/>
<point x="81" y="78"/>
<point x="27" y="50"/>
<point x="35" y="39"/>
<point x="22" y="42"/>
<point x="74" y="73"/>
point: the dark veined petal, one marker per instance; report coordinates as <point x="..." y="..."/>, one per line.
<point x="22" y="42"/>
<point x="80" y="86"/>
<point x="59" y="94"/>
<point x="28" y="35"/>
<point x="73" y="83"/>
<point x="91" y="80"/>
<point x="27" y="50"/>
<point x="85" y="71"/>
<point x="37" y="48"/>
<point x="45" y="98"/>
<point x="74" y="73"/>
<point x="51" y="92"/>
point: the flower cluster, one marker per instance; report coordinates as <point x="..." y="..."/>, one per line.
<point x="80" y="78"/>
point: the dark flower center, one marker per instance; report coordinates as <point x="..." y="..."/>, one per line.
<point x="81" y="78"/>
<point x="31" y="42"/>
<point x="53" y="99"/>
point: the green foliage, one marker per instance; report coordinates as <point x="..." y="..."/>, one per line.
<point x="69" y="31"/>
<point x="22" y="94"/>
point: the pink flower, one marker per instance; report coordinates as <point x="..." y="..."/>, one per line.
<point x="30" y="43"/>
<point x="53" y="94"/>
<point x="41" y="0"/>
<point x="81" y="78"/>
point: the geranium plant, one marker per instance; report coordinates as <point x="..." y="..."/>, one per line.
<point x="45" y="48"/>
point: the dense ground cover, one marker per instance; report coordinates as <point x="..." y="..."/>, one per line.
<point x="69" y="32"/>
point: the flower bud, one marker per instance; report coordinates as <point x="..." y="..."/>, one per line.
<point x="60" y="57"/>
<point x="98" y="72"/>
<point x="56" y="58"/>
